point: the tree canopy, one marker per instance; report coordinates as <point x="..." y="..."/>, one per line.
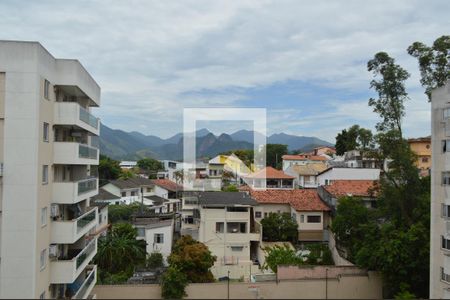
<point x="108" y="169"/>
<point x="434" y="62"/>
<point x="150" y="166"/>
<point x="279" y="227"/>
<point x="353" y="138"/>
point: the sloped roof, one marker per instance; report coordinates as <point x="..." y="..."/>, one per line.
<point x="168" y="185"/>
<point x="269" y="173"/>
<point x="225" y="198"/>
<point x="131" y="183"/>
<point x="304" y="157"/>
<point x="359" y="188"/>
<point x="309" y="169"/>
<point x="300" y="200"/>
<point x="104" y="195"/>
<point x="157" y="200"/>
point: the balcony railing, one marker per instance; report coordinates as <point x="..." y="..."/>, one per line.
<point x="86" y="151"/>
<point x="86" y="286"/>
<point x="85" y="253"/>
<point x="87" y="118"/>
<point x="84" y="220"/>
<point x="87" y="185"/>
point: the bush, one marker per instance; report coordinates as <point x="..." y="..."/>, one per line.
<point x="173" y="284"/>
<point x="155" y="260"/>
<point x="279" y="228"/>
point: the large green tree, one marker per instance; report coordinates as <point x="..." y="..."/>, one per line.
<point x="173" y="284"/>
<point x="279" y="227"/>
<point x="274" y="152"/>
<point x="434" y="63"/>
<point x="108" y="169"/>
<point x="353" y="138"/>
<point x="150" y="166"/>
<point x="193" y="259"/>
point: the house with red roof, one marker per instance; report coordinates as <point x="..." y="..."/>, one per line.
<point x="365" y="189"/>
<point x="270" y="178"/>
<point x="302" y="159"/>
<point x="304" y="205"/>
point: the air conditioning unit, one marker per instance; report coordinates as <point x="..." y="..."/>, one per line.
<point x="54" y="211"/>
<point x="53" y="251"/>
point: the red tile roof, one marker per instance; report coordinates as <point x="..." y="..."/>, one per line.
<point x="304" y="157"/>
<point x="361" y="188"/>
<point x="270" y="173"/>
<point x="168" y="185"/>
<point x="300" y="200"/>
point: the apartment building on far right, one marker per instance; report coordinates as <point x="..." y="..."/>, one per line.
<point x="440" y="194"/>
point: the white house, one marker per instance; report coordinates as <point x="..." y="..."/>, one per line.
<point x="306" y="175"/>
<point x="128" y="164"/>
<point x="337" y="173"/>
<point x="131" y="190"/>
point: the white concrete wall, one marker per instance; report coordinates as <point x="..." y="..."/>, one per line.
<point x="348" y="174"/>
<point x="164" y="248"/>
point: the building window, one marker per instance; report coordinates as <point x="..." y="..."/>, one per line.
<point x="124" y="194"/>
<point x="133" y="193"/>
<point x="149" y="190"/>
<point x="257" y="214"/>
<point x="427" y="146"/>
<point x="43" y="216"/>
<point x="220" y="227"/>
<point x="265" y="215"/>
<point x="444" y="277"/>
<point x="236" y="209"/>
<point x="45" y="132"/>
<point x="302" y="218"/>
<point x="445" y="146"/>
<point x="446" y="178"/>
<point x="424" y="159"/>
<point x="445" y="243"/>
<point x="237" y="248"/>
<point x="158" y="238"/>
<point x="44" y="174"/>
<point x="313" y="219"/>
<point x="236" y="227"/>
<point x="189" y="220"/>
<point x="43" y="259"/>
<point x="445" y="211"/>
<point x="446" y="113"/>
<point x="326" y="181"/>
<point x="294" y="217"/>
<point x="46" y="89"/>
<point x="141" y="232"/>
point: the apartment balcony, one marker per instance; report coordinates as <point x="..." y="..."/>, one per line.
<point x="72" y="192"/>
<point x="72" y="153"/>
<point x="70" y="231"/>
<point x="87" y="283"/>
<point x="71" y="113"/>
<point x="67" y="269"/>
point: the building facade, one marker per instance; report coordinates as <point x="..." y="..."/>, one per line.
<point x="48" y="150"/>
<point x="440" y="194"/>
<point x="422" y="148"/>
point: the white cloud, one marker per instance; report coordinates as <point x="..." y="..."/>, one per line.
<point x="154" y="58"/>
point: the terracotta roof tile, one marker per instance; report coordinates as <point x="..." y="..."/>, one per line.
<point x="304" y="157"/>
<point x="361" y="188"/>
<point x="300" y="200"/>
<point x="309" y="169"/>
<point x="168" y="185"/>
<point x="270" y="173"/>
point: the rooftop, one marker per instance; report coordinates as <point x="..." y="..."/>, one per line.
<point x="104" y="195"/>
<point x="361" y="188"/>
<point x="309" y="169"/>
<point x="131" y="183"/>
<point x="300" y="200"/>
<point x="168" y="185"/>
<point x="426" y="139"/>
<point x="157" y="200"/>
<point x="269" y="173"/>
<point x="225" y="198"/>
<point x="304" y="157"/>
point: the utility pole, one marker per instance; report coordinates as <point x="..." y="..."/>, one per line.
<point x="228" y="292"/>
<point x="326" y="283"/>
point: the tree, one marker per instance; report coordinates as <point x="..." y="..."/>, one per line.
<point x="173" y="284"/>
<point x="348" y="139"/>
<point x="119" y="251"/>
<point x="155" y="260"/>
<point x="434" y="63"/>
<point x="279" y="227"/>
<point x="150" y="166"/>
<point x="274" y="152"/>
<point x="122" y="213"/>
<point x="108" y="169"/>
<point x="280" y="255"/>
<point x="127" y="174"/>
<point x="391" y="91"/>
<point x="230" y="188"/>
<point x="193" y="259"/>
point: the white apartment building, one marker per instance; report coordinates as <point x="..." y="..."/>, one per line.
<point x="440" y="194"/>
<point x="48" y="151"/>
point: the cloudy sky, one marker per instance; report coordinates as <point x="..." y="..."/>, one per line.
<point x="305" y="61"/>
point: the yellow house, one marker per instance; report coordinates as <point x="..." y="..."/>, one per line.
<point x="422" y="148"/>
<point x="231" y="163"/>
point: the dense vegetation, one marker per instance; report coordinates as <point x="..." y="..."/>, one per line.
<point x="279" y="227"/>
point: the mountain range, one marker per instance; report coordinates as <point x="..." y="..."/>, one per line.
<point x="134" y="145"/>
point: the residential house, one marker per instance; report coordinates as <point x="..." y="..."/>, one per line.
<point x="306" y="175"/>
<point x="440" y="194"/>
<point x="304" y="205"/>
<point x="127" y="165"/>
<point x="365" y="189"/>
<point x="338" y="173"/>
<point x="330" y="151"/>
<point x="270" y="178"/>
<point x="104" y="196"/>
<point x="157" y="230"/>
<point x="357" y="159"/>
<point x="170" y="167"/>
<point x="290" y="160"/>
<point x="226" y="224"/>
<point x="422" y="148"/>
<point x="48" y="150"/>
<point x="131" y="190"/>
